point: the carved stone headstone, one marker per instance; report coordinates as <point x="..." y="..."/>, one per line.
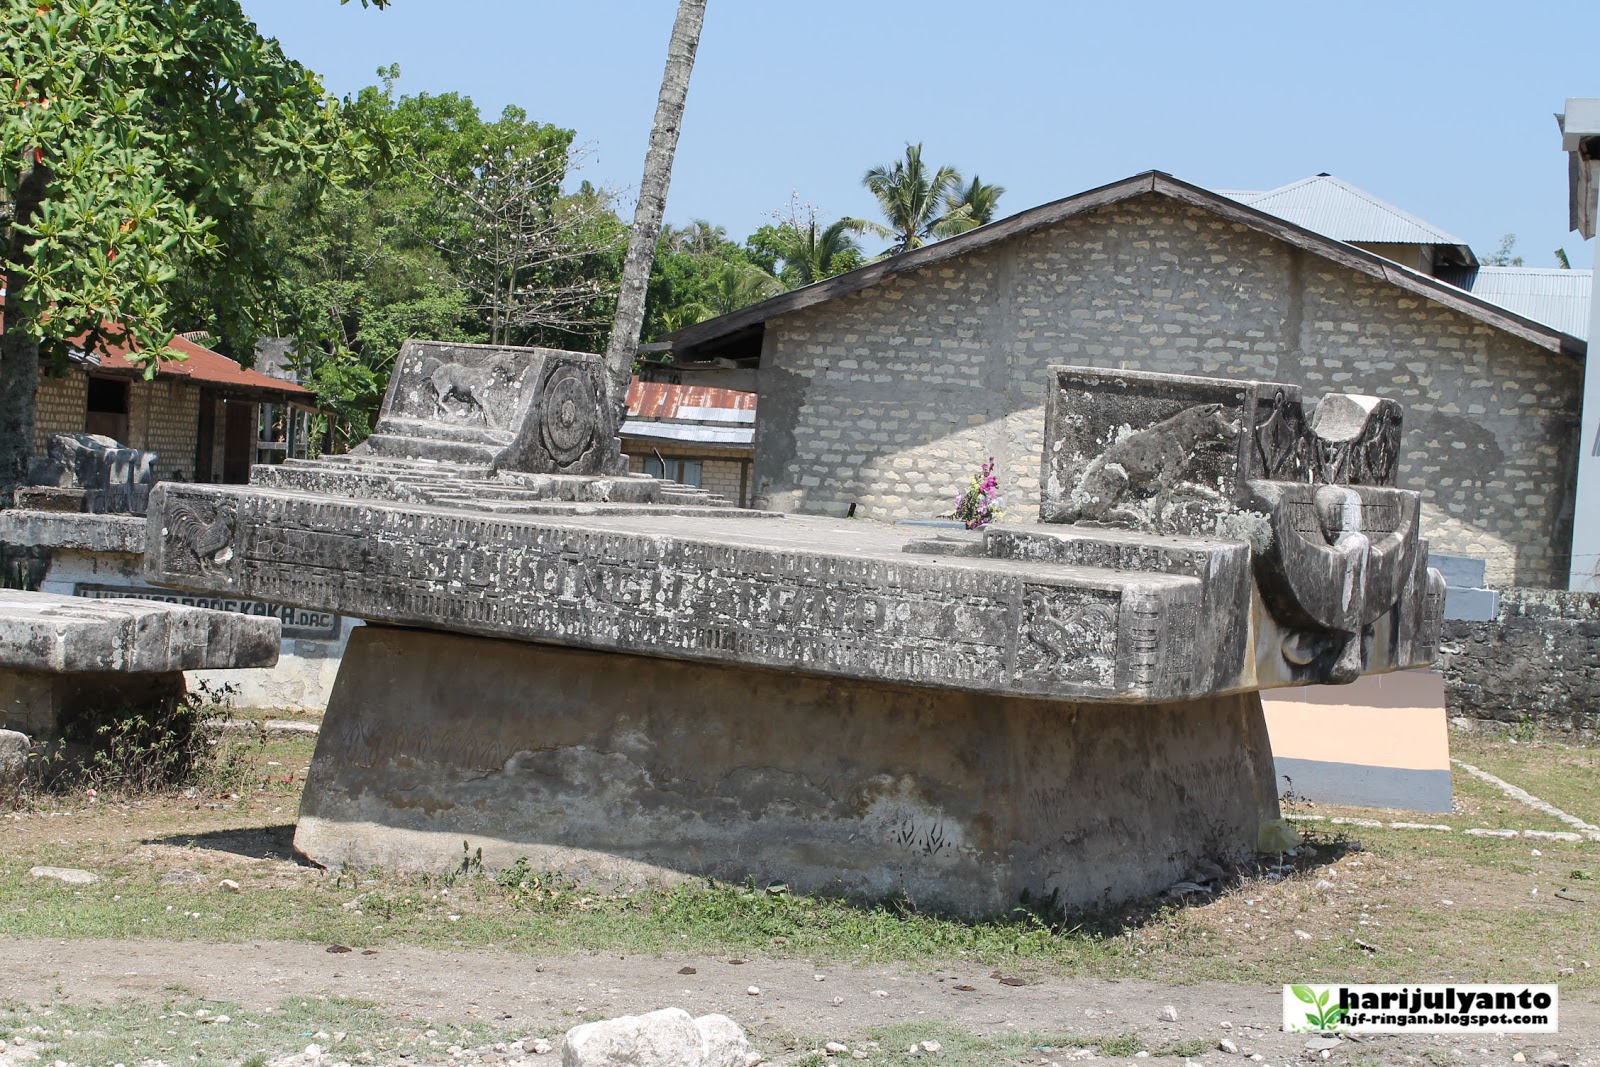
<point x="1335" y="547"/>
<point x="536" y="410"/>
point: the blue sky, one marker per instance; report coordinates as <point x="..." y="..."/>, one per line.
<point x="1441" y="108"/>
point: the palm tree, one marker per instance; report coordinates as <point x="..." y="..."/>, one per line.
<point x="629" y="321"/>
<point x="733" y="286"/>
<point x="809" y="256"/>
<point x="922" y="206"/>
<point x="980" y="200"/>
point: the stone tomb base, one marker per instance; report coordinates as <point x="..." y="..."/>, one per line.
<point x="619" y="768"/>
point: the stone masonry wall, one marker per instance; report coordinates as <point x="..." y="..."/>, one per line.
<point x="164" y="417"/>
<point x="60" y="405"/>
<point x="892" y="397"/>
<point x="1539" y="659"/>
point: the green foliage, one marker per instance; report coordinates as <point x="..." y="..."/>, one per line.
<point x="699" y="273"/>
<point x="1501" y="256"/>
<point x="808" y="254"/>
<point x="132" y="750"/>
<point x="132" y="133"/>
<point x="920" y="205"/>
<point x="447" y="226"/>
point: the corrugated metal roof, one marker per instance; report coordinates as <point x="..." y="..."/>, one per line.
<point x="1555" y="297"/>
<point x="664" y="400"/>
<point x="1337" y="209"/>
<point x="689" y="433"/>
<point x="698" y="414"/>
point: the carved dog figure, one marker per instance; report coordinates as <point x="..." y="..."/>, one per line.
<point x="1149" y="462"/>
<point x="469" y="385"/>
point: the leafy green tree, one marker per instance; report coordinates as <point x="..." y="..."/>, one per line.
<point x="920" y="205"/>
<point x="698" y="273"/>
<point x="132" y="133"/>
<point x="806" y="253"/>
<point x="463" y="233"/>
<point x="1502" y="256"/>
<point x="981" y="200"/>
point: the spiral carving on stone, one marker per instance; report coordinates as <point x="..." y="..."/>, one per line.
<point x="569" y="416"/>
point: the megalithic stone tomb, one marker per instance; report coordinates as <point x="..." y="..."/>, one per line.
<point x="620" y="680"/>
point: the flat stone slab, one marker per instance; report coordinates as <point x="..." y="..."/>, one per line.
<point x="823" y="596"/>
<point x="73" y="530"/>
<point x="53" y="633"/>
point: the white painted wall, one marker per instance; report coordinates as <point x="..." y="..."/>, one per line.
<point x="300" y="682"/>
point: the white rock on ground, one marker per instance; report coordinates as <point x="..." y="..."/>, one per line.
<point x="14" y="748"/>
<point x="70" y="875"/>
<point x="670" y="1037"/>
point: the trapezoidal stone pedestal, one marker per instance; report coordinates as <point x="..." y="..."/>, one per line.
<point x="618" y="767"/>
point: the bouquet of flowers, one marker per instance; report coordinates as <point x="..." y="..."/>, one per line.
<point x="981" y="503"/>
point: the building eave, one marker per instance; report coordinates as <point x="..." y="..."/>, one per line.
<point x="1157" y="182"/>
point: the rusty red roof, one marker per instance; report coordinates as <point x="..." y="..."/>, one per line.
<point x="663" y="400"/>
<point x="201" y="365"/>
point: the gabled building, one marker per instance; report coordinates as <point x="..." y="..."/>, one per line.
<point x="886" y="387"/>
<point x="207" y="417"/>
<point x="1335" y="208"/>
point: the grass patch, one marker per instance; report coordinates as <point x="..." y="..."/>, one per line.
<point x="1552" y="769"/>
<point x="1376" y="912"/>
<point x="210" y="1031"/>
<point x="902" y="1043"/>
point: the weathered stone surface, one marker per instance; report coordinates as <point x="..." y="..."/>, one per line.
<point x="43" y="632"/>
<point x="1340" y="566"/>
<point x="1176" y="454"/>
<point x="81" y="532"/>
<point x="619" y="767"/>
<point x="14" y="749"/>
<point x="522" y="409"/>
<point x="811" y="595"/>
<point x="670" y="1037"/>
<point x="839" y="706"/>
<point x="1537" y="659"/>
<point x="69" y="875"/>
<point x="1102" y="613"/>
<point x="112" y="477"/>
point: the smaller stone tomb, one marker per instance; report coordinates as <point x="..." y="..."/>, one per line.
<point x="61" y="655"/>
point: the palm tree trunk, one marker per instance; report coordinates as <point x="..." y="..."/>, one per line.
<point x="629" y="321"/>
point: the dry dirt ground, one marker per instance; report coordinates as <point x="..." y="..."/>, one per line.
<point x="1402" y="906"/>
<point x="518" y="993"/>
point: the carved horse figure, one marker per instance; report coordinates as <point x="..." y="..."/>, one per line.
<point x="1148" y="462"/>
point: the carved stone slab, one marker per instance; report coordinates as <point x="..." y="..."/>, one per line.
<point x="112" y="478"/>
<point x="1159" y="452"/>
<point x="523" y="409"/>
<point x="816" y="596"/>
<point x="1173" y="454"/>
